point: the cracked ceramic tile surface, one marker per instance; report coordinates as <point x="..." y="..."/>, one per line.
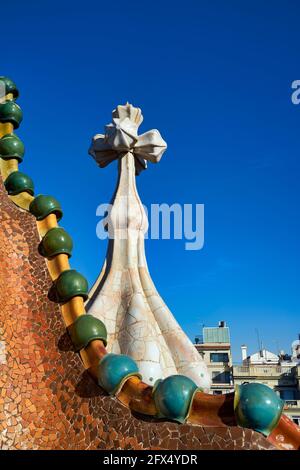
<point x="47" y="400"/>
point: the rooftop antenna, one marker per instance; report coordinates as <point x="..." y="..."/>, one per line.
<point x="277" y="346"/>
<point x="199" y="338"/>
<point x="259" y="342"/>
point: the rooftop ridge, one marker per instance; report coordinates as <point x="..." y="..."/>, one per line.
<point x="70" y="290"/>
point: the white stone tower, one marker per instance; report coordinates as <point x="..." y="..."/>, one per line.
<point x="124" y="297"/>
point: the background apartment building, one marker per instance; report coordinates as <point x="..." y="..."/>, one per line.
<point x="281" y="372"/>
<point x="214" y="346"/>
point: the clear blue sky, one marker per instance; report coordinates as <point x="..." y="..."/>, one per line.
<point x="215" y="78"/>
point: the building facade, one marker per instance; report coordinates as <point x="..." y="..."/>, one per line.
<point x="214" y="347"/>
<point x="279" y="372"/>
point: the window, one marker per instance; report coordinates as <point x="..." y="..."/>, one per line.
<point x="219" y="357"/>
<point x="219" y="377"/>
<point x="287" y="394"/>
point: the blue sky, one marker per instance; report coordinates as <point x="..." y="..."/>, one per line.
<point x="215" y="79"/>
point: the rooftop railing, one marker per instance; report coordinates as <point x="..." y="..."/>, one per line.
<point x="292" y="403"/>
<point x="264" y="369"/>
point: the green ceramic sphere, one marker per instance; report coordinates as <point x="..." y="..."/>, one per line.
<point x="85" y="329"/>
<point x="70" y="284"/>
<point x="42" y="206"/>
<point x="55" y="242"/>
<point x="173" y="397"/>
<point x="11" y="147"/>
<point x="17" y="182"/>
<point x="10" y="87"/>
<point x="114" y="369"/>
<point x="257" y="407"/>
<point x="11" y="112"/>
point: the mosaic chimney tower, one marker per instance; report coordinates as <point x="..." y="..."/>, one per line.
<point x="124" y="297"/>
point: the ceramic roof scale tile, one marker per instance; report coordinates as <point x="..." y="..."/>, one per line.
<point x="124" y="297"/>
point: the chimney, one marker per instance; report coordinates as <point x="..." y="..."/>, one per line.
<point x="244" y="352"/>
<point x="222" y="324"/>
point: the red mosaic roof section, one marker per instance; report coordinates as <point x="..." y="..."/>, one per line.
<point x="47" y="400"/>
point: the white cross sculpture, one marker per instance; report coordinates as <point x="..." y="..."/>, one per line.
<point x="121" y="137"/>
<point x="124" y="297"/>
